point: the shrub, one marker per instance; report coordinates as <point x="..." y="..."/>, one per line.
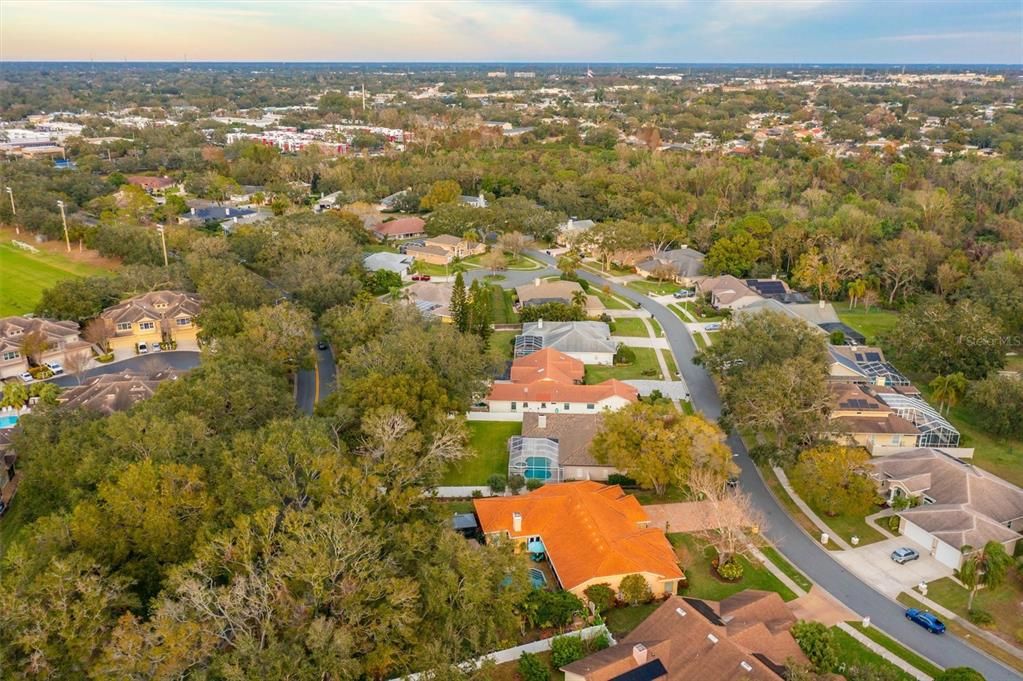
<point x="533" y="483"/>
<point x="599" y="642"/>
<point x="634" y="589"/>
<point x="893" y="523"/>
<point x="817" y="643"/>
<point x="624" y="355"/>
<point x="619" y="479"/>
<point x="552" y="609"/>
<point x="732" y="570"/>
<point x="515" y="483"/>
<point x="532" y="668"/>
<point x="497" y="483"/>
<point x="566" y="650"/>
<point x="602" y="596"/>
<point x="978" y="616"/>
<point x="837" y="338"/>
<point x="959" y="674"/>
<point x="477" y="494"/>
<point x="108" y="357"/>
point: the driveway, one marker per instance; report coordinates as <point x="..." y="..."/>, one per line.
<point x="873" y="564"/>
<point x="684" y="516"/>
<point x="182" y="360"/>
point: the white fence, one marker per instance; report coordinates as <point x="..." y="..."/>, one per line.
<point x="492" y="416"/>
<point x="23" y="246"/>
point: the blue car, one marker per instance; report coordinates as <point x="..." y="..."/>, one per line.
<point x="926" y="620"/>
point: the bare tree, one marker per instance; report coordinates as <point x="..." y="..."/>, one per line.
<point x="34" y="344"/>
<point x="76" y="364"/>
<point x="514" y="243"/>
<point x="97" y="332"/>
<point x="735" y="527"/>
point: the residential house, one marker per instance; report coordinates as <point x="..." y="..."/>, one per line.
<point x="745" y="637"/>
<point x="588" y="342"/>
<point x="863" y="364"/>
<point x="62" y="339"/>
<point x="776" y="289"/>
<point x="226" y="215"/>
<point x="444" y="249"/>
<point x="960" y="505"/>
<point x="152" y="185"/>
<point x="390" y="262"/>
<point x="542" y="291"/>
<point x="432" y="300"/>
<point x="473" y="201"/>
<point x="547" y="382"/>
<point x="851" y="335"/>
<point x="154" y="317"/>
<point x="109" y="393"/>
<point x="814" y="314"/>
<point x="685" y="265"/>
<point x="556" y="447"/>
<point x="402" y="228"/>
<point x="591" y="533"/>
<point x="391" y="202"/>
<point x="727" y="292"/>
<point x="246" y="194"/>
<point x="859" y="418"/>
<point x="572" y="230"/>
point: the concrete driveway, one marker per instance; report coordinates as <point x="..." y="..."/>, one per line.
<point x="873" y="564"/>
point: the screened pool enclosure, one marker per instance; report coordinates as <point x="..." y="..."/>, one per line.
<point x="534" y="458"/>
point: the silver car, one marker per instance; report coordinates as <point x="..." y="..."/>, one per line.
<point x="904" y="555"/>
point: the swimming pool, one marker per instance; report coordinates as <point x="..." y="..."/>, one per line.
<point x="538" y="578"/>
<point x="537" y="468"/>
<point x="8" y="421"/>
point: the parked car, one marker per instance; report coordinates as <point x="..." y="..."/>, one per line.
<point x="420" y="277"/>
<point x="321" y="344"/>
<point x="156" y="347"/>
<point x="143" y="348"/>
<point x="713" y="326"/>
<point x="904" y="555"/>
<point x="55" y="367"/>
<point x="25" y="376"/>
<point x="684" y="293"/>
<point x="926" y="620"/>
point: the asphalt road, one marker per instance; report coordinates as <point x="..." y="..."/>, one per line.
<point x="791" y="540"/>
<point x="156" y="361"/>
<point x="311" y="385"/>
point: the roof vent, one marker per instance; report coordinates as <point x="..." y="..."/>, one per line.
<point x="541" y="421"/>
<point x="712" y="638"/>
<point x="680" y="612"/>
<point x="746" y="665"/>
<point x="639" y="653"/>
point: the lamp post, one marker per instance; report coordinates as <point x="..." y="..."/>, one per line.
<point x="63" y="217"/>
<point x="14" y="210"/>
<point x="163" y="242"/>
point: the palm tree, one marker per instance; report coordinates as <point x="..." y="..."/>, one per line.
<point x="948" y="390"/>
<point x="984" y="568"/>
<point x="856" y="289"/>
<point x="579" y="298"/>
<point x="568" y="264"/>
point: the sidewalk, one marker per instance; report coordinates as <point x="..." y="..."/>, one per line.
<point x="814" y="518"/>
<point x="869" y="644"/>
<point x="974" y="630"/>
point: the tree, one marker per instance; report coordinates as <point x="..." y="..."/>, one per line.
<point x="608" y="239"/>
<point x="959" y="674"/>
<point x="658" y="447"/>
<point x="14" y="395"/>
<point x="515" y="243"/>
<point x="532" y="668"/>
<point x="480" y="313"/>
<point x="901" y="267"/>
<point x="76" y="363"/>
<point x="818" y="644"/>
<point x="812" y="271"/>
<point x="634" y="590"/>
<point x="494" y="260"/>
<point x="835" y="479"/>
<point x="552" y="312"/>
<point x="579" y="298"/>
<point x="984" y="568"/>
<point x="280" y="334"/>
<point x="97" y="332"/>
<point x="459" y="304"/>
<point x="602" y="596"/>
<point x="856" y="290"/>
<point x="997" y="402"/>
<point x="948" y="390"/>
<point x="566" y="649"/>
<point x="568" y="264"/>
<point x="737" y="527"/>
<point x="34" y="344"/>
<point x="733" y="255"/>
<point x="999" y="287"/>
<point x="441" y="192"/>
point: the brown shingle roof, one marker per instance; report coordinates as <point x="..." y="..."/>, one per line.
<point x="401" y="226"/>
<point x="155" y="305"/>
<point x="574" y="433"/>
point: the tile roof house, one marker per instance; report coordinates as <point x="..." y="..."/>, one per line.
<point x="154" y="317"/>
<point x="727" y="292"/>
<point x="402" y="228"/>
<point x="589" y="342"/>
<point x="556" y="447"/>
<point x="591" y="533"/>
<point x="744" y="637"/>
<point x="547" y="382"/>
<point x="61" y="336"/>
<point x="685" y="263"/>
<point x="109" y="393"/>
<point x="962" y="505"/>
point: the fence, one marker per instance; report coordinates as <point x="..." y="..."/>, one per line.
<point x="23" y="246"/>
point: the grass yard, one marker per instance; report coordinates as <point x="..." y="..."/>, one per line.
<point x="692" y="309"/>
<point x="845" y="525"/>
<point x="520" y="262"/>
<point x="502" y="343"/>
<point x="646" y="361"/>
<point x="610" y="302"/>
<point x="25" y="274"/>
<point x="657" y="327"/>
<point x="671" y="495"/>
<point x="1003" y="603"/>
<point x="701" y="342"/>
<point x="878" y="637"/>
<point x="696" y="556"/>
<point x="658" y="288"/>
<point x="669" y="359"/>
<point x="871" y="324"/>
<point x="788" y="568"/>
<point x="503" y="305"/>
<point x="621" y="621"/>
<point x="489" y="441"/>
<point x="790" y="506"/>
<point x="630" y="326"/>
<point x="853" y="653"/>
<point x="436" y="270"/>
<point x="509" y="671"/>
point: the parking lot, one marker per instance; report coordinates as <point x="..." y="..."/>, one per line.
<point x="873" y="564"/>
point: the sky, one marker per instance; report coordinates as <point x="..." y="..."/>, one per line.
<point x="774" y="31"/>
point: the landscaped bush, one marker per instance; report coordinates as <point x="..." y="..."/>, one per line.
<point x="732" y="570"/>
<point x="619" y="479"/>
<point x="634" y="590"/>
<point x="893" y="523"/>
<point x="551" y="608"/>
<point x="108" y="357"/>
<point x="477" y="494"/>
<point x="533" y="483"/>
<point x="40" y="372"/>
<point x="532" y="668"/>
<point x="959" y="674"/>
<point x="601" y="595"/>
<point x="817" y="643"/>
<point x="566" y="650"/>
<point x="624" y="355"/>
<point x="978" y="616"/>
<point x="600" y="642"/>
<point x="497" y="483"/>
<point x="515" y="483"/>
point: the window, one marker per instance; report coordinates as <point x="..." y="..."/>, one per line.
<point x="147" y="326"/>
<point x="124" y="326"/>
<point x="566" y="406"/>
<point x="525" y="405"/>
<point x="184" y="321"/>
<point x="11" y="354"/>
<point x="515" y="405"/>
<point x="543" y="405"/>
<point x="897" y="440"/>
<point x="591" y="406"/>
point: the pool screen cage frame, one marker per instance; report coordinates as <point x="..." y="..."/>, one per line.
<point x="521" y="450"/>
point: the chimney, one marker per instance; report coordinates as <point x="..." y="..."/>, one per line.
<point x="746" y="666"/>
<point x="193" y="211"/>
<point x="516" y="522"/>
<point x="712" y="638"/>
<point x="537" y="281"/>
<point x="639" y="653"/>
<point x="539" y="323"/>
<point x="774" y="277"/>
<point x="541" y="421"/>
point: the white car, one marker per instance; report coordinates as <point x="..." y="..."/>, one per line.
<point x="55" y="367"/>
<point x="143" y="348"/>
<point x="713" y="326"/>
<point x="27" y="377"/>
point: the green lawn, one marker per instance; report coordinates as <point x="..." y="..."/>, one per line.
<point x="502" y="342"/>
<point x="513" y="263"/>
<point x="671" y="495"/>
<point x="630" y="326"/>
<point x="669" y="359"/>
<point x="489" y="441"/>
<point x="657" y="326"/>
<point x="853" y="653"/>
<point x="844" y="525"/>
<point x="646" y="361"/>
<point x="877" y="636"/>
<point x="610" y="302"/>
<point x="701" y="342"/>
<point x="658" y="288"/>
<point x="696" y="556"/>
<point x="1003" y="603"/>
<point x="24" y="275"/>
<point x="503" y="305"/>
<point x="785" y="500"/>
<point x="788" y="568"/>
<point x="436" y="270"/>
<point x="870" y="324"/>
<point x="621" y="621"/>
<point x="692" y="309"/>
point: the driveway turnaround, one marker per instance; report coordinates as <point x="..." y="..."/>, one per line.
<point x="182" y="360"/>
<point x="873" y="564"/>
<point x="791" y="540"/>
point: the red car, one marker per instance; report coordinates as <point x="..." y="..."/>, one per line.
<point x="420" y="277"/>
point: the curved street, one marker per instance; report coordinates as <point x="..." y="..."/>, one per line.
<point x="791" y="540"/>
<point x="157" y="361"/>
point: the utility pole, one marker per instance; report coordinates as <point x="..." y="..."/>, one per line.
<point x="14" y="210"/>
<point x="163" y="242"/>
<point x="63" y="217"/>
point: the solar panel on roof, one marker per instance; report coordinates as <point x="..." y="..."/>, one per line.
<point x="769" y="287"/>
<point x="654" y="669"/>
<point x="859" y="357"/>
<point x="873" y="357"/>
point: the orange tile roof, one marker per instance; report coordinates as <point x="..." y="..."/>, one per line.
<point x="547" y="364"/>
<point x="552" y="391"/>
<point x="590" y="530"/>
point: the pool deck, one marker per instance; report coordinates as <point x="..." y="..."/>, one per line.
<point x="548" y="573"/>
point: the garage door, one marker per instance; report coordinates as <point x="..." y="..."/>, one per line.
<point x="917" y="534"/>
<point x="947" y="555"/>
